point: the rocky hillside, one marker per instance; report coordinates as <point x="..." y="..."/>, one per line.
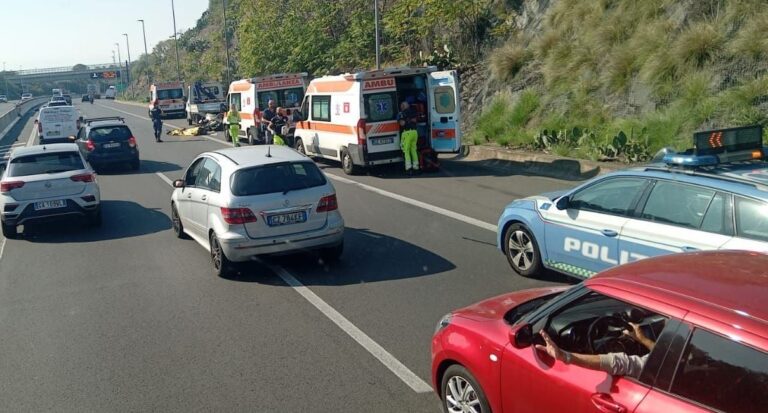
<point x="621" y="78"/>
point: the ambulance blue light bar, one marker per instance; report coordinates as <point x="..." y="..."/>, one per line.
<point x="720" y="146"/>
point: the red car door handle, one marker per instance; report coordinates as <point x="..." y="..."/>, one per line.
<point x="605" y="404"/>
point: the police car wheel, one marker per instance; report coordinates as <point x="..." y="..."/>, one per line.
<point x="522" y="250"/>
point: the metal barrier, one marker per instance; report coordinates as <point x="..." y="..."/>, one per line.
<point x="21" y="109"/>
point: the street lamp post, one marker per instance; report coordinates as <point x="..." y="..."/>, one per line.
<point x="119" y="62"/>
<point x="226" y="40"/>
<point x="378" y="48"/>
<point x="144" y="32"/>
<point x="176" y="42"/>
<point x="128" y="65"/>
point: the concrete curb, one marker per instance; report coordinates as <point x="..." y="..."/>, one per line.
<point x="535" y="163"/>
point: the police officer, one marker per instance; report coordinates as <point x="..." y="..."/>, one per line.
<point x="407" y="118"/>
<point x="233" y="119"/>
<point x="157" y="120"/>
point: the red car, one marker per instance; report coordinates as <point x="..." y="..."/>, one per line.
<point x="706" y="312"/>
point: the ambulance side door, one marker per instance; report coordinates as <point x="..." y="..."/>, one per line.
<point x="445" y="111"/>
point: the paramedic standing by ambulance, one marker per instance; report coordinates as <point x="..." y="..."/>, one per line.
<point x="233" y="119"/>
<point x="408" y="137"/>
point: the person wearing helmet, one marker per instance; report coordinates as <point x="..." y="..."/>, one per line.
<point x="157" y="119"/>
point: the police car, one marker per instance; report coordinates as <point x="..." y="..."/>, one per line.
<point x="714" y="196"/>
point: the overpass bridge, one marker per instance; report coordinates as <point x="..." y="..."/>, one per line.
<point x="76" y="72"/>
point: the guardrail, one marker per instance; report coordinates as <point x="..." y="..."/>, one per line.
<point x="21" y="109"/>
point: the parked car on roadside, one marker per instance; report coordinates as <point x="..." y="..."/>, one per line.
<point x="45" y="182"/>
<point x="240" y="203"/>
<point x="704" y="314"/>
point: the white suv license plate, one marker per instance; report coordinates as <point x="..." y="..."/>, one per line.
<point x="382" y="141"/>
<point x="39" y="206"/>
<point x="287" y="219"/>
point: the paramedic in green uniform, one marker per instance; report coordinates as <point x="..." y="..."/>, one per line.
<point x="233" y="119"/>
<point x="408" y="137"/>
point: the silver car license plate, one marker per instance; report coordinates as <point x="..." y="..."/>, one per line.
<point x="59" y="203"/>
<point x="287" y="219"/>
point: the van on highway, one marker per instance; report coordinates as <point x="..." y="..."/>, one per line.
<point x="170" y="98"/>
<point x="57" y="124"/>
<point x="352" y="118"/>
<point x="250" y="97"/>
<point x="110" y="93"/>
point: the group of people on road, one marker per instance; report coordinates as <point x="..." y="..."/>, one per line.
<point x="273" y="127"/>
<point x="275" y="121"/>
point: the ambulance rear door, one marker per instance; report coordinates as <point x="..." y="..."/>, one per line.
<point x="445" y="111"/>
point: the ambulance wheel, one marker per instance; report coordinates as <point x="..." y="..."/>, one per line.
<point x="522" y="250"/>
<point x="347" y="165"/>
<point x="300" y="147"/>
<point x="251" y="137"/>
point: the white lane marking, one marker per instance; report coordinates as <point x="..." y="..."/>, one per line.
<point x="166" y="123"/>
<point x="424" y="205"/>
<point x="31" y="139"/>
<point x="2" y="248"/>
<point x="164" y="178"/>
<point x="388" y="360"/>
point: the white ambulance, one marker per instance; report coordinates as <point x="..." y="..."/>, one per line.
<point x="170" y="97"/>
<point x="352" y="118"/>
<point x="250" y="97"/>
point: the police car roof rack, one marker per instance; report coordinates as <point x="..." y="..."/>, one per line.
<point x="103" y="119"/>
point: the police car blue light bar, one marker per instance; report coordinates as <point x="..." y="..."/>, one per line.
<point x="721" y="146"/>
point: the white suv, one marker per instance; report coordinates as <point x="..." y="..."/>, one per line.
<point x="47" y="181"/>
<point x="239" y="203"/>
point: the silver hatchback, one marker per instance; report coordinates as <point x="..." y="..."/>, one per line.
<point x="240" y="203"/>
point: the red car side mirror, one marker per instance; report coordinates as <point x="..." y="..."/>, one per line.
<point x="521" y="337"/>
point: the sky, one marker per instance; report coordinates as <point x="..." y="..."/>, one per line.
<point x="53" y="33"/>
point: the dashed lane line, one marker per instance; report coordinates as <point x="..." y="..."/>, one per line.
<point x="387" y="359"/>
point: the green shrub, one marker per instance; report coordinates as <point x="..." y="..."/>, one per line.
<point x="507" y="60"/>
<point x="698" y="44"/>
<point x="524" y="108"/>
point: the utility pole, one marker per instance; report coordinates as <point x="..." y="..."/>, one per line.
<point x="226" y="41"/>
<point x="378" y="48"/>
<point x="176" y="42"/>
<point x="144" y="32"/>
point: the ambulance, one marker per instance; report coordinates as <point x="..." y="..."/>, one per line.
<point x="352" y="118"/>
<point x="251" y="96"/>
<point x="170" y="97"/>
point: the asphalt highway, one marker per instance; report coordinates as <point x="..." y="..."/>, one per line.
<point x="128" y="318"/>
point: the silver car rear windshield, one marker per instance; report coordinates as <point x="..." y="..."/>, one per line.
<point x="45" y="163"/>
<point x="280" y="177"/>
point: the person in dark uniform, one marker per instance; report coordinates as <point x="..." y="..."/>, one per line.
<point x="157" y="120"/>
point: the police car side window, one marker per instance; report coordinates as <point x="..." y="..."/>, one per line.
<point x="678" y="204"/>
<point x="611" y="196"/>
<point x="751" y="219"/>
<point x="722" y="374"/>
